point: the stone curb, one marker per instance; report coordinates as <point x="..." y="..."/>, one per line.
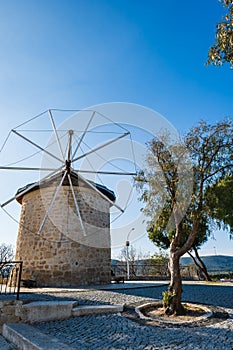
<point x="85" y="310"/>
<point x="140" y="308"/>
<point x="26" y="337"/>
<point x="40" y="311"/>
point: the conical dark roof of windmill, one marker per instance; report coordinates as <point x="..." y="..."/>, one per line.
<point x="55" y="179"/>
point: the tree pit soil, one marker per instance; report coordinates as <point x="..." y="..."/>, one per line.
<point x="192" y="313"/>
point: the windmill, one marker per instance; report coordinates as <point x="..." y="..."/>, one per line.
<point x="64" y="230"/>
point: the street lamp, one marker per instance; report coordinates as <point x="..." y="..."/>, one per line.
<point x="127" y="251"/>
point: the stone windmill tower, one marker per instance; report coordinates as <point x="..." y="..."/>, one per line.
<point x="64" y="230"/>
<point x="67" y="252"/>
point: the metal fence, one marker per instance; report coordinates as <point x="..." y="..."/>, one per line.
<point x="221" y="274"/>
<point x="140" y="269"/>
<point x="150" y="271"/>
<point x="10" y="277"/>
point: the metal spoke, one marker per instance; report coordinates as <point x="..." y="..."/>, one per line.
<point x="55" y="131"/>
<point x="34" y="144"/>
<point x="25" y="168"/>
<point x="100" y="193"/>
<point x="29" y="188"/>
<point x="71" y="132"/>
<point x="51" y="203"/>
<point x="19" y="195"/>
<point x="77" y="206"/>
<point x="83" y="135"/>
<point x="105" y="172"/>
<point x="101" y="146"/>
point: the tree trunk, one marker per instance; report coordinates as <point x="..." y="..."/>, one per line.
<point x="174" y="306"/>
<point x="200" y="273"/>
<point x="175" y="288"/>
<point x="202" y="265"/>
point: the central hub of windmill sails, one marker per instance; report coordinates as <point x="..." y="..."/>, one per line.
<point x="67" y="166"/>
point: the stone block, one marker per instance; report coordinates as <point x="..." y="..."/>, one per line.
<point x="96" y="309"/>
<point x="47" y="310"/>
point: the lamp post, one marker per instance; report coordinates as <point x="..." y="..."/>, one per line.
<point x="127" y="251"/>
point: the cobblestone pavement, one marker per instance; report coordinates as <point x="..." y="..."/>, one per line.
<point x="115" y="331"/>
<point x="4" y="345"/>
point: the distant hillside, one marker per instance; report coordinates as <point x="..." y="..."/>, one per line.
<point x="213" y="262"/>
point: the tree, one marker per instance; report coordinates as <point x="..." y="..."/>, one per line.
<point x="222" y="51"/>
<point x="6" y="252"/>
<point x="135" y="260"/>
<point x="161" y="185"/>
<point x="159" y="263"/>
<point x="143" y="264"/>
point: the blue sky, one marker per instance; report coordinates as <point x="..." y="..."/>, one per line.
<point x="78" y="53"/>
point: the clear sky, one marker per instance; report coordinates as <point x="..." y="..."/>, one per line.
<point x="78" y="53"/>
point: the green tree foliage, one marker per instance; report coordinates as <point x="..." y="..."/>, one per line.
<point x="163" y="189"/>
<point x="219" y="198"/>
<point x="161" y="236"/>
<point x="222" y="51"/>
<point x="159" y="263"/>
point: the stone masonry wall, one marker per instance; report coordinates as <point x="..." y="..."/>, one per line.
<point x="9" y="312"/>
<point x="64" y="254"/>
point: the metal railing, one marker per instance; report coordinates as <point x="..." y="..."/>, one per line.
<point x="140" y="269"/>
<point x="10" y="277"/>
<point x="145" y="270"/>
